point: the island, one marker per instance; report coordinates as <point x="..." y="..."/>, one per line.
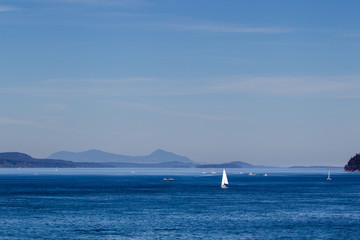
<point x="99" y="159"/>
<point x="353" y="164"/>
<point x="22" y="160"/>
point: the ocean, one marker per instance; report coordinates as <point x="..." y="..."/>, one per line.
<point x="137" y="204"/>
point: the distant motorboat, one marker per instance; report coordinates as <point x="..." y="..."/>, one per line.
<point x="252" y="174"/>
<point x="328" y="178"/>
<point x="224" y="181"/>
<point x="168" y="179"/>
<point x="265" y="174"/>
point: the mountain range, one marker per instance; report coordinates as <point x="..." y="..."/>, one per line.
<point x="158" y="156"/>
<point x="99" y="159"/>
<point x="16" y="159"/>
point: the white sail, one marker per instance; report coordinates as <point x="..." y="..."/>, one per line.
<point x="224" y="181"/>
<point x="329" y="178"/>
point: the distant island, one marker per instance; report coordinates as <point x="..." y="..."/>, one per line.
<point x="93" y="155"/>
<point x="314" y="167"/>
<point x="158" y="159"/>
<point x="353" y="164"/>
<point x="16" y="159"/>
<point x="236" y="164"/>
<point x="99" y="159"/>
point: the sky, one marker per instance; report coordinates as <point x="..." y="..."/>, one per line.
<point x="264" y="82"/>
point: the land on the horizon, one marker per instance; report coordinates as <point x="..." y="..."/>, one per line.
<point x="100" y="159"/>
<point x="353" y="164"/>
<point x="316" y="166"/>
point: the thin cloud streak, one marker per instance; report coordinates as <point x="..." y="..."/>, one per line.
<point x="7" y="8"/>
<point x="354" y="35"/>
<point x="121" y="3"/>
<point x="173" y="113"/>
<point x="7" y="120"/>
<point x="148" y="87"/>
<point x="56" y="106"/>
<point x="291" y="85"/>
<point x="228" y="29"/>
<point x="27" y="123"/>
<point x="349" y="97"/>
<point x="139" y="86"/>
<point x="97" y="80"/>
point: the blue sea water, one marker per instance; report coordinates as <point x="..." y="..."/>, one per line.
<point x="137" y="204"/>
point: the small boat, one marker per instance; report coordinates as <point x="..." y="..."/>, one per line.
<point x="252" y="174"/>
<point x="168" y="179"/>
<point x="328" y="178"/>
<point x="265" y="174"/>
<point x="224" y="181"/>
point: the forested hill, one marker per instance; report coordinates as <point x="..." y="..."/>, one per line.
<point x="16" y="159"/>
<point x="353" y="164"/>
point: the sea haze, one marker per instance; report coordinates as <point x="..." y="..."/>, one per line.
<point x="137" y="204"/>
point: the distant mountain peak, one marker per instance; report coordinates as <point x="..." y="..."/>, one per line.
<point x="93" y="151"/>
<point x="164" y="156"/>
<point x="160" y="152"/>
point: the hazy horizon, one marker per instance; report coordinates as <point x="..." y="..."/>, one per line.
<point x="263" y="82"/>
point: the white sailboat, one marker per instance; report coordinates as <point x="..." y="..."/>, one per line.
<point x="224" y="181"/>
<point x="328" y="178"/>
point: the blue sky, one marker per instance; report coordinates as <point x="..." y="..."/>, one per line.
<point x="264" y="82"/>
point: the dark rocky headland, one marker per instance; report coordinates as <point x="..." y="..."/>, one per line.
<point x="353" y="164"/>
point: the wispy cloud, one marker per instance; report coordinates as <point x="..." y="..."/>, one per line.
<point x="232" y="60"/>
<point x="290" y="85"/>
<point x="122" y="3"/>
<point x="150" y="108"/>
<point x="56" y="106"/>
<point x="349" y="96"/>
<point x="352" y="35"/>
<point x="228" y="28"/>
<point x="149" y="87"/>
<point x="136" y="86"/>
<point x="101" y="81"/>
<point x="7" y="120"/>
<point x="7" y="8"/>
<point x="51" y="125"/>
